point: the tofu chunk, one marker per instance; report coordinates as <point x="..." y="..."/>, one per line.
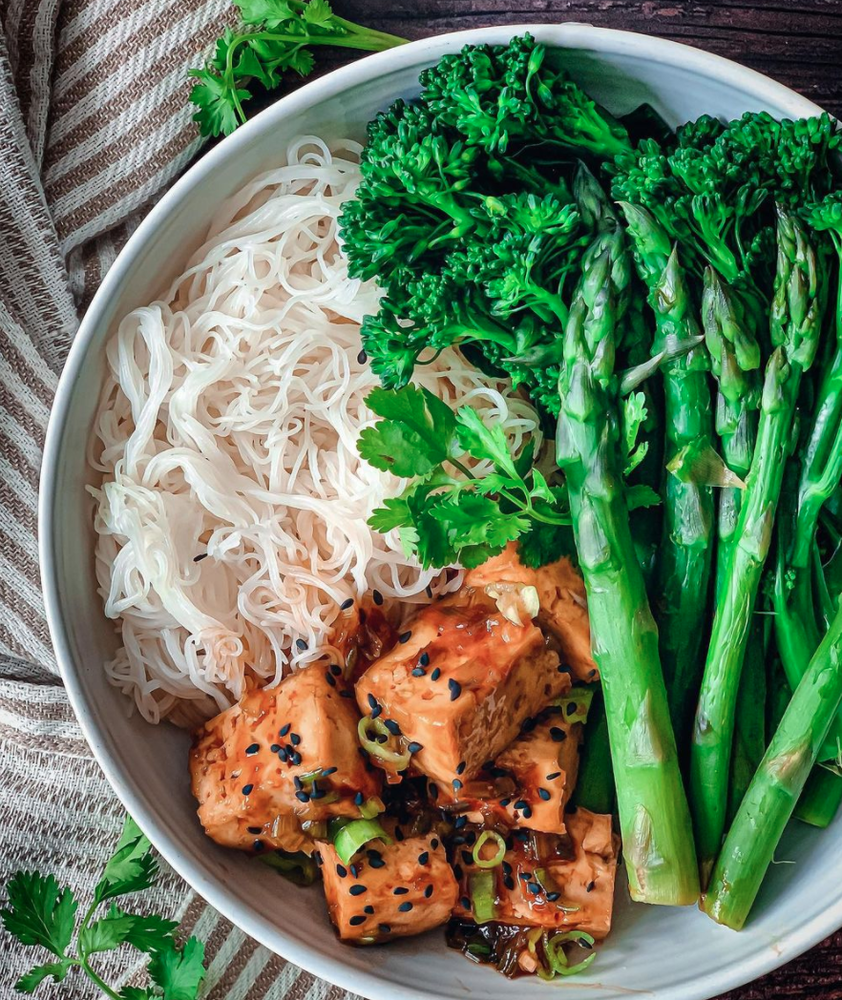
<point x="460" y="683"/>
<point x="544" y="764"/>
<point x="409" y="889"/>
<point x="561" y="883"/>
<point x="245" y="762"/>
<point x="563" y="605"/>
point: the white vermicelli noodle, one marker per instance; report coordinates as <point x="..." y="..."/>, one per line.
<point x="231" y="517"/>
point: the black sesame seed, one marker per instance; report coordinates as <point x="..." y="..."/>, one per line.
<point x="255" y="829"/>
<point x="284" y="730"/>
<point x="356" y="921"/>
<point x="544" y="794"/>
<point x="533" y="887"/>
<point x="424" y="659"/>
<point x="459" y="822"/>
<point x="362" y="616"/>
<point x="400" y="890"/>
<point x="275" y="747"/>
<point x="372" y="701"/>
<point x="508" y="882"/>
<point x="466" y="903"/>
<point x="346" y="604"/>
<point x="346" y="694"/>
<point x="434" y="843"/>
<point x="505" y="802"/>
<point x="200" y="557"/>
<point x="378" y="597"/>
<point x="302" y="796"/>
<point x="330" y="678"/>
<point x="282" y="754"/>
<point x="385" y="928"/>
<point x="359" y="798"/>
<point x="329" y="770"/>
<point x="460" y="767"/>
<point x="405" y="907"/>
<point x="405" y="636"/>
<point x="571" y="708"/>
<point x="301" y="643"/>
<point x="552" y="896"/>
<point x="335" y="669"/>
<point x="458" y="873"/>
<point x="428" y="891"/>
<point x="252" y="749"/>
<point x="318" y="858"/>
<point x="376" y="711"/>
<point x="592" y="673"/>
<point x="554" y="775"/>
<point x="341" y="871"/>
<point x="247" y="789"/>
<point x="399" y="834"/>
<point x="527" y="813"/>
<point x="295" y="757"/>
<point x="455" y="689"/>
<point x="392" y="726"/>
<point x="528" y="725"/>
<point x="525" y="876"/>
<point x="521" y="804"/>
<point x="563" y="668"/>
<point x="368" y="909"/>
<point x="433" y="790"/>
<point x="558" y="735"/>
<point x="590" y="887"/>
<point x="297" y="782"/>
<point x="457" y="785"/>
<point x="362" y="357"/>
<point x="467" y="857"/>
<point x="358" y="889"/>
<point x="434" y="676"/>
<point x="317" y="793"/>
<point x="423" y="857"/>
<point x="294" y="739"/>
<point x="354" y="871"/>
<point x="258" y="846"/>
<point x="418" y="672"/>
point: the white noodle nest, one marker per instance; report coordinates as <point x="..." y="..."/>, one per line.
<point x="231" y="517"/>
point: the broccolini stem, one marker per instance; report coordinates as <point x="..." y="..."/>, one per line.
<point x="821" y="798"/>
<point x="777" y="785"/>
<point x="795" y="326"/>
<point x="750" y="727"/>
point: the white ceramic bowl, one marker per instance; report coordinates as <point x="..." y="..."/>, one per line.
<point x="666" y="953"/>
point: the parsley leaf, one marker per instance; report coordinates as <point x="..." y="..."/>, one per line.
<point x="105" y="934"/>
<point x="179" y="973"/>
<point x="269" y="14"/>
<point x="318" y="12"/>
<point x="131" y="868"/>
<point x="40" y="912"/>
<point x="30" y="981"/>
<point x="483" y="442"/>
<point x="215" y="99"/>
<point x="416" y="436"/>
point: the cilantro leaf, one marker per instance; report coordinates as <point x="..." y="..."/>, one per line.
<point x="318" y="12"/>
<point x="641" y="495"/>
<point x="40" y="912"/>
<point x="217" y="114"/>
<point x="540" y="490"/>
<point x="475" y="519"/>
<point x="105" y="934"/>
<point x="483" y="442"/>
<point x="179" y="973"/>
<point x="633" y="416"/>
<point x="394" y="513"/>
<point x="265" y="13"/>
<point x="545" y="543"/>
<point x="149" y="933"/>
<point x="416" y="435"/>
<point x="138" y="993"/>
<point x="131" y="868"/>
<point x="30" y="981"/>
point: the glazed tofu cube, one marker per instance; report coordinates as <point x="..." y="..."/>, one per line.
<point x="460" y="683"/>
<point x="281" y="760"/>
<point x="544" y="763"/>
<point x="561" y="597"/>
<point x="387" y="891"/>
<point x="561" y="883"/>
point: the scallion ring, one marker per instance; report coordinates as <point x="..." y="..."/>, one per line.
<point x="365" y="727"/>
<point x="482" y="840"/>
<point x="557" y="958"/>
<point x="350" y="837"/>
<point x="482" y="888"/>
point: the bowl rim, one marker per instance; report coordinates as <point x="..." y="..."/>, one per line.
<point x="569" y="34"/>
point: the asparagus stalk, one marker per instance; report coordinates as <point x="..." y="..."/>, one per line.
<point x="750" y="727"/>
<point x="684" y="556"/>
<point x="821" y="798"/>
<point x="654" y="817"/>
<point x="595" y="782"/>
<point x="774" y="791"/>
<point x="795" y="322"/>
<point x="735" y="360"/>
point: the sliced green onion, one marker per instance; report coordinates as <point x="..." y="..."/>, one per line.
<point x="298" y="867"/>
<point x="581" y="698"/>
<point x="483" y="839"/>
<point x="557" y="958"/>
<point x="371" y="808"/>
<point x="482" y="887"/>
<point x="380" y="750"/>
<point x="350" y="837"/>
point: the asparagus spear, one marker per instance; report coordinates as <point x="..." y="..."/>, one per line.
<point x="654" y="817"/>
<point x="821" y="798"/>
<point x="595" y="782"/>
<point x="684" y="558"/>
<point x="750" y="728"/>
<point x="735" y="360"/>
<point x="795" y="322"/>
<point x="774" y="791"/>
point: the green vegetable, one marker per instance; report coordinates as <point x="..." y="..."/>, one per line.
<point x="795" y="326"/>
<point x="595" y="782"/>
<point x="42" y="913"/>
<point x="777" y="785"/>
<point x="499" y="854"/>
<point x="297" y="867"/>
<point x="286" y="31"/>
<point x="482" y="890"/>
<point x="750" y="725"/>
<point x="820" y="800"/>
<point x="351" y="836"/>
<point x="654" y="818"/>
<point x="576" y="705"/>
<point x="377" y="744"/>
<point x="557" y="957"/>
<point x="447" y="517"/>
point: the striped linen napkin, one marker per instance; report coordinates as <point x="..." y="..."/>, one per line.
<point x="94" y="124"/>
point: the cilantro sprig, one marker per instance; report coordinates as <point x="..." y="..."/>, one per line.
<point x="42" y="913"/>
<point x="279" y="37"/>
<point x="448" y="514"/>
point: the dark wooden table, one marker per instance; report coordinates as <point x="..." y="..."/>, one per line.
<point x="798" y="42"/>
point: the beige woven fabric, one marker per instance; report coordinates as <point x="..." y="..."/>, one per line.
<point x="94" y="124"/>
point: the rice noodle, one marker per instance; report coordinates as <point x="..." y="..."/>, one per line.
<point x="231" y="517"/>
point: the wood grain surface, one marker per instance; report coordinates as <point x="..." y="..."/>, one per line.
<point x="798" y="43"/>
